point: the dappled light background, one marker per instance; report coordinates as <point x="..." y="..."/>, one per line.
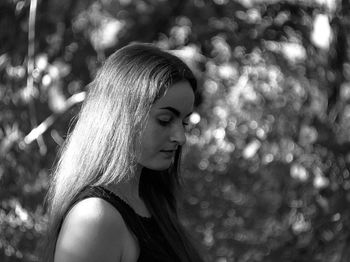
<point x="266" y="174"/>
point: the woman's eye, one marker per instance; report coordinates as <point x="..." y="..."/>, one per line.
<point x="164" y="122"/>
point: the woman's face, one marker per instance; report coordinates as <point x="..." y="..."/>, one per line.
<point x="165" y="128"/>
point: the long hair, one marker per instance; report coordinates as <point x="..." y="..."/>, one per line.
<point x="101" y="149"/>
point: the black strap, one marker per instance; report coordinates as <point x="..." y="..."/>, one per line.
<point x="134" y="221"/>
<point x="152" y="243"/>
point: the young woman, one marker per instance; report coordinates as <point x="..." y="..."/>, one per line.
<point x="113" y="194"/>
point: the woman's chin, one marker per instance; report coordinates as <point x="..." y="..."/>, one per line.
<point x="160" y="166"/>
<point x="159" y="163"/>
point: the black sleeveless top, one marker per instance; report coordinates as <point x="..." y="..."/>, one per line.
<point x="152" y="243"/>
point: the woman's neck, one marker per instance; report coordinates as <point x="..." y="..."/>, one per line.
<point x="129" y="187"/>
<point x="128" y="191"/>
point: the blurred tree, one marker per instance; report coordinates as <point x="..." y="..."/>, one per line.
<point x="267" y="167"/>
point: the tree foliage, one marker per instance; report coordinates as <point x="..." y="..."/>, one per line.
<point x="267" y="167"/>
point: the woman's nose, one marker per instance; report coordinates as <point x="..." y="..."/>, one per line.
<point x="178" y="135"/>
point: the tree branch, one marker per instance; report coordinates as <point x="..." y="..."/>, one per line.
<point x="36" y="132"/>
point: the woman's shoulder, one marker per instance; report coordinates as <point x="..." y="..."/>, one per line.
<point x="92" y="231"/>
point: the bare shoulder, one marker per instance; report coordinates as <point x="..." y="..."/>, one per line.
<point x="92" y="231"/>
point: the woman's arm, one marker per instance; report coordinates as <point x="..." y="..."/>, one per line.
<point x="92" y="231"/>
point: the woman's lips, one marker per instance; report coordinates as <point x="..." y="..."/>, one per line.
<point x="168" y="153"/>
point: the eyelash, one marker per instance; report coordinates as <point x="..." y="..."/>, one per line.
<point x="165" y="123"/>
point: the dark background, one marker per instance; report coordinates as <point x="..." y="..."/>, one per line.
<point x="267" y="166"/>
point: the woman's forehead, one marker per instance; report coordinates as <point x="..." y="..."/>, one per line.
<point x="179" y="96"/>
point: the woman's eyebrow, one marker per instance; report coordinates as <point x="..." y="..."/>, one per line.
<point x="175" y="111"/>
